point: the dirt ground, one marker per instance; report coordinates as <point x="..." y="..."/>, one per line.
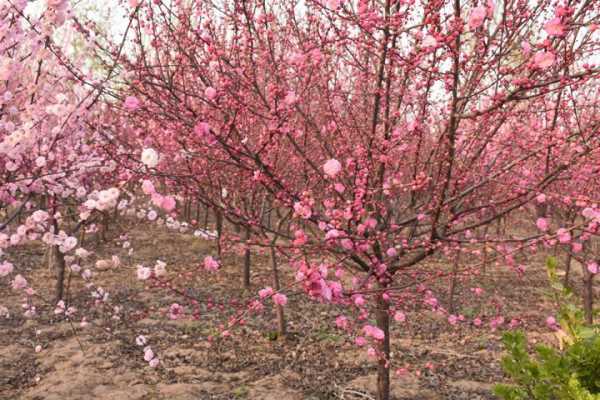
<point x="315" y="361"/>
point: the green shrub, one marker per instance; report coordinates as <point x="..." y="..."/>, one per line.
<point x="570" y="372"/>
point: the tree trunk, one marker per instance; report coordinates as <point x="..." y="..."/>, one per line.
<point x="281" y="326"/>
<point x="57" y="263"/>
<point x="566" y="281"/>
<point x="206" y="211"/>
<point x="485" y="261"/>
<point x="383" y="367"/>
<point x="219" y="217"/>
<point x="588" y="295"/>
<point x="247" y="261"/>
<point x="453" y="282"/>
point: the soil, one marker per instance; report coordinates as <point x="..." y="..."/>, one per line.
<point x="314" y="361"/>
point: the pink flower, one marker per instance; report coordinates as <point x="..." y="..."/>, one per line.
<point x="143" y="273"/>
<point x="564" y="236"/>
<point x="452" y="319"/>
<point x="543" y="59"/>
<point x="40" y="162"/>
<point x="591" y="213"/>
<point x="347" y="244"/>
<point x="576" y="247"/>
<point x="280" y="299"/>
<point x="210" y="93"/>
<point x="360" y="341"/>
<point x="56" y="3"/>
<point x="290" y="98"/>
<point x="373" y="332"/>
<point x="40" y="216"/>
<point x="333" y="4"/>
<point x="496" y="322"/>
<point x="6" y="268"/>
<point x="131" y="103"/>
<point x="154" y="362"/>
<point x="391" y="252"/>
<point x="266" y="292"/>
<point x="141" y="340"/>
<point x="175" y="311"/>
<point x="477" y="322"/>
<point x="541" y="198"/>
<point x="19" y="282"/>
<point x="332" y="168"/>
<point x="592" y="267"/>
<point x="551" y="323"/>
<point x="168" y="203"/>
<point x="359" y="301"/>
<point x="148" y="187"/>
<point x="300" y="238"/>
<point x="554" y="27"/>
<point x="338" y="187"/>
<point x="399" y="316"/>
<point x="60" y="307"/>
<point x="302" y="210"/>
<point x="477" y="17"/>
<point x="202" y="129"/>
<point x="152" y="215"/>
<point x="371" y="352"/>
<point x="542" y="224"/>
<point x="133" y="3"/>
<point x="150" y="158"/>
<point x="341" y="322"/>
<point x="148" y="354"/>
<point x="210" y="264"/>
<point x="332" y="234"/>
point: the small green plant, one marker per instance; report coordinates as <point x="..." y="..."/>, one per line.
<point x="240" y="392"/>
<point x="569" y="372"/>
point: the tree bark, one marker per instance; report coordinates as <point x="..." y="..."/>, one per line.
<point x="247" y="261"/>
<point x="453" y="282"/>
<point x="588" y="295"/>
<point x="383" y="367"/>
<point x="566" y="281"/>
<point x="219" y="217"/>
<point x="57" y="262"/>
<point x="281" y="326"/>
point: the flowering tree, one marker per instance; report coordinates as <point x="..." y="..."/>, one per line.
<point x="55" y="179"/>
<point x="380" y="133"/>
<point x="390" y="130"/>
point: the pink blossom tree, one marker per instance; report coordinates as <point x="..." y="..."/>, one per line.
<point x="391" y="131"/>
